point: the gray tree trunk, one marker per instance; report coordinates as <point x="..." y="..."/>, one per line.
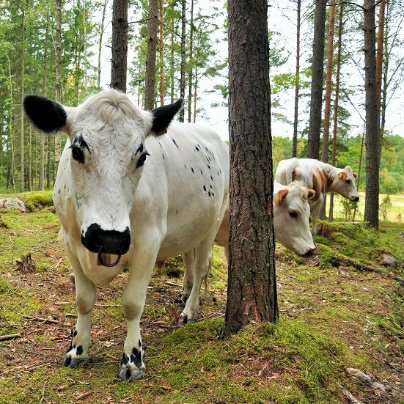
<point x="119" y="60"/>
<point x="372" y="124"/>
<point x="251" y="294"/>
<point x="183" y="55"/>
<point x="317" y="80"/>
<point x="150" y="78"/>
<point x="297" y="80"/>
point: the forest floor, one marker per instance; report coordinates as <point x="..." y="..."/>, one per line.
<point x="333" y="316"/>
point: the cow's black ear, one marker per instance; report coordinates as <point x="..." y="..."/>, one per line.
<point x="162" y="117"/>
<point x="46" y="115"/>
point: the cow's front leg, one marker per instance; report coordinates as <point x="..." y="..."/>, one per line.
<point x="81" y="335"/>
<point x="132" y="362"/>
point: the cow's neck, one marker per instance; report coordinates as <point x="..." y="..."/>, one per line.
<point x="331" y="173"/>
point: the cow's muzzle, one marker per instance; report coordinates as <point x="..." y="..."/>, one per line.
<point x="106" y="243"/>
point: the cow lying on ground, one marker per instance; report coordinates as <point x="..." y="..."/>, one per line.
<point x="322" y="177"/>
<point x="127" y="194"/>
<point x="291" y="212"/>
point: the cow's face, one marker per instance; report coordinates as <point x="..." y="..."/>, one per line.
<point x="291" y="218"/>
<point x="345" y="184"/>
<point x="107" y="157"/>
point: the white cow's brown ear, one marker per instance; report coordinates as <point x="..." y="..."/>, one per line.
<point x="342" y="175"/>
<point x="311" y="194"/>
<point x="162" y="117"/>
<point x="280" y="196"/>
<point x="46" y="115"/>
<point x="355" y="174"/>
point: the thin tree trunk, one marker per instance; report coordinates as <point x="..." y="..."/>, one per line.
<point x="191" y="45"/>
<point x="372" y="124"/>
<point x="22" y="128"/>
<point x="161" y="49"/>
<point x="183" y="56"/>
<point x="30" y="158"/>
<point x="328" y="80"/>
<point x="195" y="92"/>
<point x="251" y="294"/>
<point x="44" y="92"/>
<point x="119" y="60"/>
<point x="297" y="80"/>
<point x="336" y="104"/>
<point x="172" y="61"/>
<point x="379" y="66"/>
<point x="150" y="79"/>
<point x="11" y="180"/>
<point x="102" y="27"/>
<point x="317" y="80"/>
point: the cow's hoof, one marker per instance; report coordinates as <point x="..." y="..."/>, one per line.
<point x="182" y="320"/>
<point x="129" y="373"/>
<point x="74" y="357"/>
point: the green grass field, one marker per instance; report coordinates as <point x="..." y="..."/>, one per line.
<point x="333" y="316"/>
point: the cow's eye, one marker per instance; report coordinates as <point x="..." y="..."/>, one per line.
<point x="293" y="214"/>
<point x="77" y="153"/>
<point x="348" y="182"/>
<point x="142" y="159"/>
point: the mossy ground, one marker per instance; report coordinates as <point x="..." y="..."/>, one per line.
<point x="332" y="317"/>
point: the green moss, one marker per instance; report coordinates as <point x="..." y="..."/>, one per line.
<point x="36" y="200"/>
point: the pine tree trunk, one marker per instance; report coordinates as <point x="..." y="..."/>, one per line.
<point x="336" y="103"/>
<point x="10" y="177"/>
<point x="297" y="80"/>
<point x="119" y="59"/>
<point x="195" y="93"/>
<point x="161" y="49"/>
<point x="251" y="295"/>
<point x="150" y="79"/>
<point x="328" y="80"/>
<point x="379" y="66"/>
<point x="183" y="56"/>
<point x="102" y="28"/>
<point x="191" y="45"/>
<point x="44" y="92"/>
<point x="22" y="128"/>
<point x="172" y="60"/>
<point x="317" y="80"/>
<point x="372" y="124"/>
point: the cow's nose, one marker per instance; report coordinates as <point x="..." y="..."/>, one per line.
<point x="355" y="198"/>
<point x="310" y="252"/>
<point x="106" y="241"/>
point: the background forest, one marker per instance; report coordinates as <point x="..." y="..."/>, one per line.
<point x="62" y="49"/>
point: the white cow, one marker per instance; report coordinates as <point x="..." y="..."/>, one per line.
<point x="291" y="213"/>
<point x="128" y="194"/>
<point x="322" y="177"/>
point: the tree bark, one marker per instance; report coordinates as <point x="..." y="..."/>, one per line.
<point x="191" y="45"/>
<point x="317" y="80"/>
<point x="22" y="128"/>
<point x="195" y="93"/>
<point x="119" y="60"/>
<point x="161" y="48"/>
<point x="172" y="60"/>
<point x="100" y="38"/>
<point x="372" y="124"/>
<point x="150" y="79"/>
<point x="328" y="81"/>
<point x="297" y="79"/>
<point x="251" y="294"/>
<point x="379" y="67"/>
<point x="336" y="103"/>
<point x="183" y="55"/>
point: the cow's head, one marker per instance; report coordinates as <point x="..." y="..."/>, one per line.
<point x="291" y="218"/>
<point x="107" y="155"/>
<point x="344" y="183"/>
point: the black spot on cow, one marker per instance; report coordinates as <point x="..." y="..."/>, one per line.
<point x="208" y="166"/>
<point x="140" y="148"/>
<point x="211" y="177"/>
<point x="192" y="169"/>
<point x="125" y="359"/>
<point x="128" y="374"/>
<point x="68" y="360"/>
<point x="163" y="156"/>
<point x="197" y="148"/>
<point x="140" y="343"/>
<point x="201" y="172"/>
<point x="175" y="143"/>
<point x="204" y="188"/>
<point x="209" y="194"/>
<point x="79" y="350"/>
<point x="136" y="357"/>
<point x="213" y="194"/>
<point x="210" y="186"/>
<point x="74" y="333"/>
